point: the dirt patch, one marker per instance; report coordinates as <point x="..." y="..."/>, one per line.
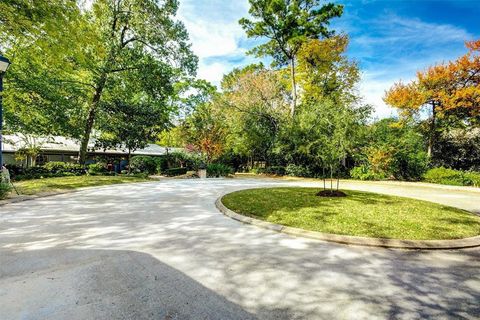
<point x="331" y="193"/>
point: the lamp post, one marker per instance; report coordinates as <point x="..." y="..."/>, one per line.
<point x="4" y="64"/>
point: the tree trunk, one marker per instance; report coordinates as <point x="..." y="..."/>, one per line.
<point x="91" y="119"/>
<point x="294" y="88"/>
<point x="324" y="179"/>
<point x="331" y="178"/>
<point x="431" y="137"/>
<point x="129" y="160"/>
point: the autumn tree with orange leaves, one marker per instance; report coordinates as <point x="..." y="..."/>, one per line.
<point x="447" y="91"/>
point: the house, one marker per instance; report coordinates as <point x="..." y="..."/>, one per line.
<point x="57" y="148"/>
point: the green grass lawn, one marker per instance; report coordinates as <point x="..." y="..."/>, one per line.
<point x="35" y="186"/>
<point x="359" y="214"/>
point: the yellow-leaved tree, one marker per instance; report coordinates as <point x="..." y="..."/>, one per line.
<point x="449" y="89"/>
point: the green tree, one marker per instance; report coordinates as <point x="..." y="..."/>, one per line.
<point x="130" y="126"/>
<point x="254" y="106"/>
<point x="137" y="38"/>
<point x="322" y="135"/>
<point x="205" y="131"/>
<point x="22" y="20"/>
<point x="117" y="48"/>
<point x="192" y="93"/>
<point x="394" y="150"/>
<point x="324" y="71"/>
<point x="171" y="137"/>
<point x="288" y="24"/>
<point x="44" y="90"/>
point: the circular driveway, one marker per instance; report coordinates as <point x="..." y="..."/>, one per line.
<point x="161" y="250"/>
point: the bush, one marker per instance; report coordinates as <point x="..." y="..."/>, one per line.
<point x="410" y="165"/>
<point x="216" y="170"/>
<point x="176" y="159"/>
<point x="49" y="170"/>
<point x="64" y="167"/>
<point x="172" y="172"/>
<point x="364" y="172"/>
<point x="14" y="170"/>
<point x="276" y="170"/>
<point x="5" y="189"/>
<point x="97" y="168"/>
<point x="161" y="164"/>
<point x="297" y="171"/>
<point x="444" y="176"/>
<point x="452" y="177"/>
<point x="34" y="173"/>
<point x="472" y="178"/>
<point x="257" y="170"/>
<point x="143" y="164"/>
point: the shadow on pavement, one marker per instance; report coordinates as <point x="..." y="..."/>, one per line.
<point x="85" y="252"/>
<point x="103" y="284"/>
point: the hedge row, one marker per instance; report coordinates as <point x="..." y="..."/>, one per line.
<point x="49" y="170"/>
<point x="452" y="177"/>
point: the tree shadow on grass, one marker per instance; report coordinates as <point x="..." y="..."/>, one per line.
<point x="302" y="208"/>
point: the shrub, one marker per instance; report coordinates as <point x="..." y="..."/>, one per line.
<point x="364" y="172"/>
<point x="161" y="164"/>
<point x="410" y="165"/>
<point x="34" y="173"/>
<point x="14" y="170"/>
<point x="216" y="170"/>
<point x="143" y="164"/>
<point x="64" y="167"/>
<point x="49" y="170"/>
<point x="297" y="171"/>
<point x="257" y="170"/>
<point x="5" y="189"/>
<point x="452" y="177"/>
<point x="193" y="161"/>
<point x="172" y="172"/>
<point x="97" y="168"/>
<point x="444" y="176"/>
<point x="472" y="178"/>
<point x="176" y="159"/>
<point x="276" y="170"/>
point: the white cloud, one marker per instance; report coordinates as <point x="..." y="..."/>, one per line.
<point x="396" y="33"/>
<point x="373" y="91"/>
<point x="212" y="72"/>
<point x="215" y="35"/>
<point x="388" y="49"/>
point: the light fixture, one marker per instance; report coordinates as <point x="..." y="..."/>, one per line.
<point x="4" y="64"/>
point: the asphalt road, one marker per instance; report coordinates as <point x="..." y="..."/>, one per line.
<point x="162" y="250"/>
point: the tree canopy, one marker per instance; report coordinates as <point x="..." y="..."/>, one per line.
<point x="133" y="49"/>
<point x="288" y="25"/>
<point x="451" y="92"/>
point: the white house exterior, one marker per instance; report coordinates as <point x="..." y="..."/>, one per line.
<point x="57" y="148"/>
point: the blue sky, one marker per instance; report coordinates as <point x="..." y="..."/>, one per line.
<point x="390" y="39"/>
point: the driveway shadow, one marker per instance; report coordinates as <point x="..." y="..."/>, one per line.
<point x="103" y="284"/>
<point x="203" y="265"/>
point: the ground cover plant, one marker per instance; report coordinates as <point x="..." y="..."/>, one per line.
<point x="359" y="214"/>
<point x="5" y="189"/>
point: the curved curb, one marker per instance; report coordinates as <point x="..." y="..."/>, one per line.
<point x="353" y="240"/>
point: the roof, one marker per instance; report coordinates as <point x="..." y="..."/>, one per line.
<point x="12" y="143"/>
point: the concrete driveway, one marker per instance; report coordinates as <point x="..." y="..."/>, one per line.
<point x="161" y="250"/>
